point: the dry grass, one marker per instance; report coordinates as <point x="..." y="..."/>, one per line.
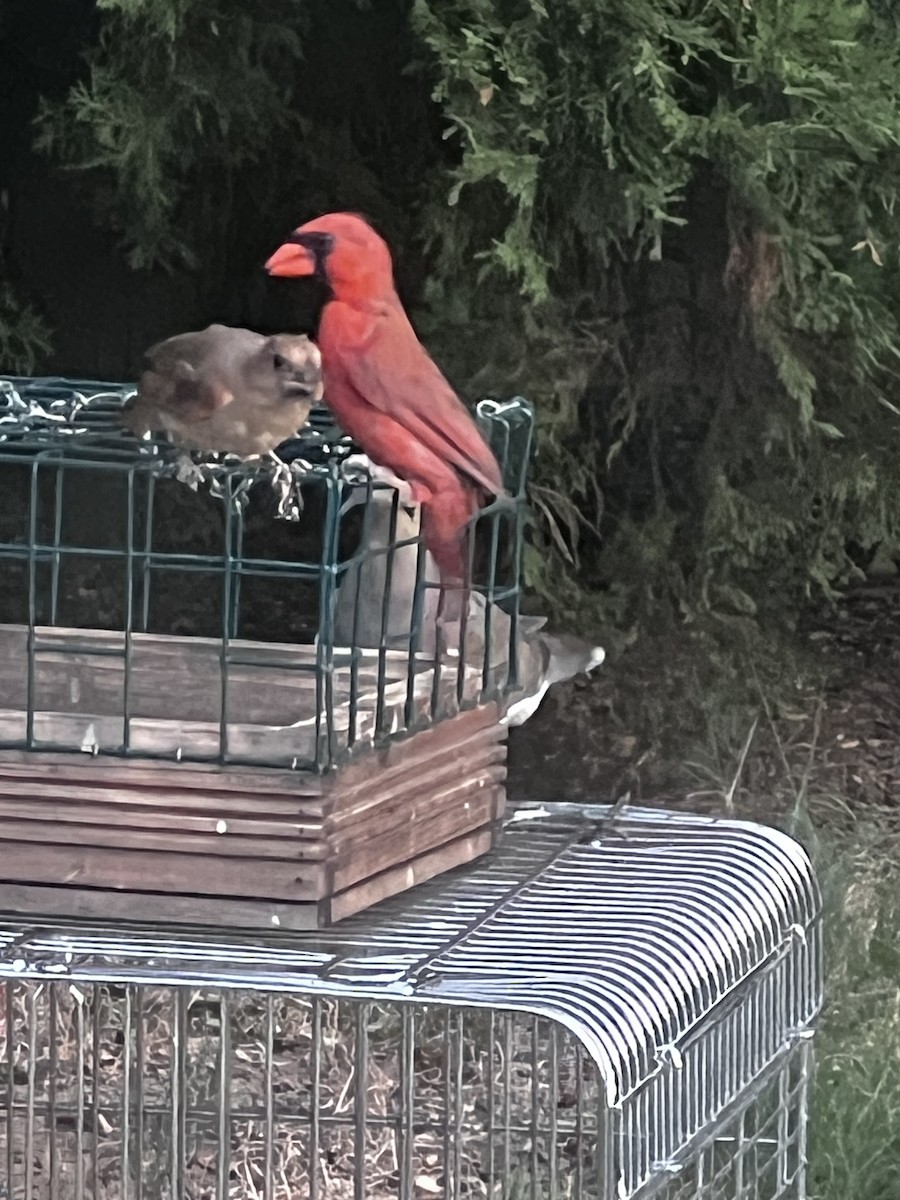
<point x="244" y="1087"/>
<point x="826" y="767"/>
<point x="855" y="1145"/>
<point x="819" y="756"/>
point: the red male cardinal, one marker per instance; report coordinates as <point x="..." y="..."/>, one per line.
<point x="385" y="390"/>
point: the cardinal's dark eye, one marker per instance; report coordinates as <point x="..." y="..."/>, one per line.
<point x="279" y="362"/>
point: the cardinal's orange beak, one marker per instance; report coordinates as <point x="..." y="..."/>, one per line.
<point x="292" y="261"/>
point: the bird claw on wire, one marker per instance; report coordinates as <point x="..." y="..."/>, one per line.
<point x="229" y="488"/>
<point x="187" y="471"/>
<point x="284" y="483"/>
<point x="290" y="502"/>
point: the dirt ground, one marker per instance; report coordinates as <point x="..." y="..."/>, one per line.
<point x="835" y="736"/>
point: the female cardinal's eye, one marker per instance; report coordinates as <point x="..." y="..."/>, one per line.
<point x="279" y="362"/>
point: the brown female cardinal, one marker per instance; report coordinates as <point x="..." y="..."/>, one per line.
<point x="228" y="390"/>
<point x="385" y="390"/>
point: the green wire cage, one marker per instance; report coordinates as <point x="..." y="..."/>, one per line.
<point x="189" y="648"/>
<point x="108" y="561"/>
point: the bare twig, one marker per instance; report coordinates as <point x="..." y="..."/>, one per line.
<point x="730" y="794"/>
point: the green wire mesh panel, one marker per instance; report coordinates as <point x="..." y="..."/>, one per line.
<point x="141" y="617"/>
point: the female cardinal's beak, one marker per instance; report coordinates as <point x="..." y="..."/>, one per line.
<point x="292" y="260"/>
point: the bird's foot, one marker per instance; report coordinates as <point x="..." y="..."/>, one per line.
<point x="290" y="502"/>
<point x="187" y="471"/>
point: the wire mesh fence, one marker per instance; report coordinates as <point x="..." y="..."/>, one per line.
<point x="139" y="617"/>
<point x="594" y="1013"/>
<point x="759" y="1148"/>
<point x="195" y="1093"/>
<point x="181" y="1092"/>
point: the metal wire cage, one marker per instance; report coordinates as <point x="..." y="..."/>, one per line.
<point x="604" y="1008"/>
<point x="140" y="618"/>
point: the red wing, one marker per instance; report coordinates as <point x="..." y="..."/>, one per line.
<point x="384" y="362"/>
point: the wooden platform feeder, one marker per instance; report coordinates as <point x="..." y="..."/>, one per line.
<point x="172" y="776"/>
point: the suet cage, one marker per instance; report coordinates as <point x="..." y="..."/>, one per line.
<point x="173" y="687"/>
<point x="607" y="1006"/>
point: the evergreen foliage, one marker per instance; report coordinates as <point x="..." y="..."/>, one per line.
<point x="24" y="336"/>
<point x="743" y="430"/>
<point x="671" y="223"/>
<point x="181" y="96"/>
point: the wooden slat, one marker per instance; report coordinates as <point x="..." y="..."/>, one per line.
<point x="129" y="838"/>
<point x="167" y="737"/>
<point x="152" y="737"/>
<point x="456" y="812"/>
<point x="25" y="862"/>
<point x="405" y="756"/>
<point x="136" y="806"/>
<point x="181" y="678"/>
<point x="421" y="781"/>
<point x="74" y="816"/>
<point x="183" y="674"/>
<point x="396" y="760"/>
<point x="143" y="908"/>
<point x="175" y="697"/>
<point x="161" y="776"/>
<point x="253" y="815"/>
<point x="429" y="800"/>
<point x="90" y="683"/>
<point x="406" y="875"/>
<point x="412" y="803"/>
<point x="48" y="813"/>
<point x="191" y="654"/>
<point x="173" y="647"/>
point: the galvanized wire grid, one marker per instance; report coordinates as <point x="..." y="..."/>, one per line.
<point x="581" y="1014"/>
<point x="155" y="1093"/>
<point x="759" y="1147"/>
<point x="61" y="450"/>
